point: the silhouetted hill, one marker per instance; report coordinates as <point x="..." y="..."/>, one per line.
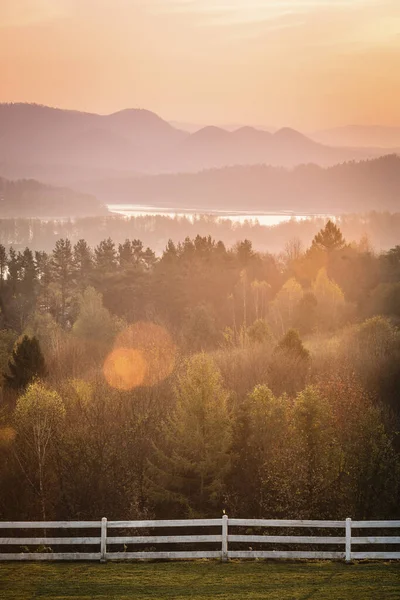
<point x="64" y="146"/>
<point x="144" y="126"/>
<point x="213" y="147"/>
<point x="30" y="198"/>
<point x="348" y="187"/>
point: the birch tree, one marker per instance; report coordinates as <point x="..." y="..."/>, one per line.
<point x="39" y="416"/>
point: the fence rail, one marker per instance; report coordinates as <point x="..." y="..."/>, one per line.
<point x="217" y="539"/>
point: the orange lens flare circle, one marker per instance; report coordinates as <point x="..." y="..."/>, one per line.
<point x="143" y="355"/>
<point x="124" y="369"/>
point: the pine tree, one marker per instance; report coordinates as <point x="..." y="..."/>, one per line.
<point x="170" y="253"/>
<point x="14" y="271"/>
<point x="28" y="274"/>
<point x="292" y="345"/>
<point x="149" y="259"/>
<point x="83" y="263"/>
<point x="330" y="238"/>
<point x="63" y="270"/>
<point x="26" y="364"/>
<point x="44" y="275"/>
<point x="105" y="256"/>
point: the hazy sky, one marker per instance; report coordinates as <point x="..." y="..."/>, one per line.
<point x="303" y="63"/>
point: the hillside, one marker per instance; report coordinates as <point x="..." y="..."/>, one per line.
<point x="64" y="146"/>
<point x="348" y="187"/>
<point x="29" y="198"/>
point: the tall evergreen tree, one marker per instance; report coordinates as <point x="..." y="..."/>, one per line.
<point x="14" y="271"/>
<point x="26" y="364"/>
<point x="106" y="256"/>
<point x="130" y="253"/>
<point x="63" y="270"/>
<point x="44" y="275"/>
<point x="329" y="238"/>
<point x="149" y="258"/>
<point x="83" y="263"/>
<point x="28" y="273"/>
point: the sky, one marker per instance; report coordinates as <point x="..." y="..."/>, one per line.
<point x="308" y="64"/>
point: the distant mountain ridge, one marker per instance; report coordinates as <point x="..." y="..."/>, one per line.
<point x="65" y="146"/>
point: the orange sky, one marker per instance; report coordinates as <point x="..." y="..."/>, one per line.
<point x="302" y="63"/>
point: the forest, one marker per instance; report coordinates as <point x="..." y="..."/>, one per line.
<point x="207" y="379"/>
<point x="352" y="186"/>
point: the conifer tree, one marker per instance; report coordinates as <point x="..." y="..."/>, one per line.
<point x="63" y="270"/>
<point x="44" y="275"/>
<point x="28" y="274"/>
<point x="106" y="256"/>
<point x="329" y="238"/>
<point x="83" y="263"/>
<point x="292" y="345"/>
<point x="14" y="271"/>
<point x="26" y="364"/>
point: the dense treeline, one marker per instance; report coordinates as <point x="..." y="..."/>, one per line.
<point x="206" y="379"/>
<point x="349" y="186"/>
<point x="381" y="229"/>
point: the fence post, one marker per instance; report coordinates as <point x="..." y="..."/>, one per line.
<point x="224" y="550"/>
<point x="348" y="540"/>
<point x="103" y="540"/>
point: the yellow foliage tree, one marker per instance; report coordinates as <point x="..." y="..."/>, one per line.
<point x="284" y="304"/>
<point x="330" y="299"/>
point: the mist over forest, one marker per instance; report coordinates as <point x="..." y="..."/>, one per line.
<point x="376" y="230"/>
<point x="174" y="385"/>
<point x="200" y="299"/>
<point x="183" y="364"/>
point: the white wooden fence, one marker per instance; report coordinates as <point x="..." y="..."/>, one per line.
<point x="224" y="538"/>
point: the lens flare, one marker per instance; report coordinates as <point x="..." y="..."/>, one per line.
<point x="125" y="368"/>
<point x="144" y="354"/>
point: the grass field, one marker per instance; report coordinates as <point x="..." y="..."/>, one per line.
<point x="200" y="581"/>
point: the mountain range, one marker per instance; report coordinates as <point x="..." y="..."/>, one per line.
<point x="64" y="146"/>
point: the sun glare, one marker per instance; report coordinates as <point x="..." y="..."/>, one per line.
<point x="143" y="354"/>
<point x="125" y="369"/>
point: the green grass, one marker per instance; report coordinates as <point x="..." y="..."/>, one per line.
<point x="200" y="581"/>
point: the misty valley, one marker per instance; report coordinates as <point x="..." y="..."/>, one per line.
<point x="219" y="332"/>
<point x="199" y="299"/>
